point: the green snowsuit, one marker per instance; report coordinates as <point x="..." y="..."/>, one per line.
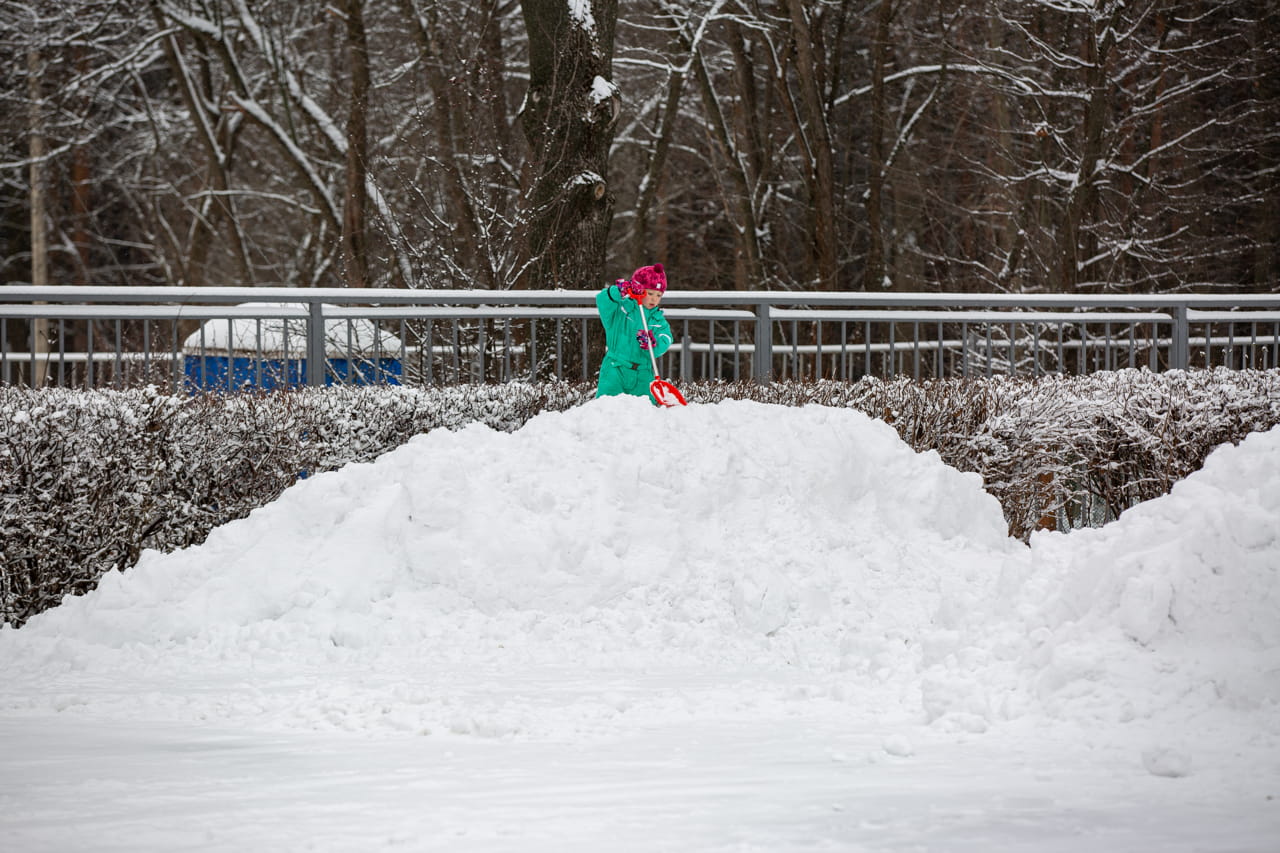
<point x="626" y="368"/>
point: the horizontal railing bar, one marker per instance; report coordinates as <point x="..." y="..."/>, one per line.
<point x="1195" y="316"/>
<point x="445" y="312"/>
<point x="392" y="296"/>
<point x="53" y="357"/>
<point x="442" y="312"/>
<point x="151" y="312"/>
<point x="725" y="348"/>
<point x="705" y="313"/>
<point x="976" y="300"/>
<point x="932" y="344"/>
<point x="966" y="316"/>
<point x="331" y="295"/>
<point x="453" y="312"/>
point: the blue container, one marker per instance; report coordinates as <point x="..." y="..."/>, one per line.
<point x="239" y="373"/>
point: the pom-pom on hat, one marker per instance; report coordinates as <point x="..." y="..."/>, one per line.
<point x="651" y="278"/>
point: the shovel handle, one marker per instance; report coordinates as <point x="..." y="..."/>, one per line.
<point x="644" y="321"/>
<point x="660" y="389"/>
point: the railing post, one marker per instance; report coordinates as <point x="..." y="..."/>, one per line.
<point x="762" y="355"/>
<point x="1180" y="349"/>
<point x="315" y="345"/>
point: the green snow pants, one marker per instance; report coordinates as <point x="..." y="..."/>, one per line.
<point x="618" y="376"/>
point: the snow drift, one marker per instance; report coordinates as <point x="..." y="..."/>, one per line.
<point x="730" y="540"/>
<point x="1170" y="611"/>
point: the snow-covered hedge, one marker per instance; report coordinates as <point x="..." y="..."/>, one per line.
<point x="89" y="479"/>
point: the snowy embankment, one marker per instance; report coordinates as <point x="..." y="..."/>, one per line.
<point x="737" y="536"/>
<point x="741" y="537"/>
<point x="785" y="603"/>
<point x="1170" y="614"/>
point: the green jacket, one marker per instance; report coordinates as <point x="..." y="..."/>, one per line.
<point x="626" y="368"/>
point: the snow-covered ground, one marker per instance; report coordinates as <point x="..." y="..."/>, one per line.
<point x="726" y="627"/>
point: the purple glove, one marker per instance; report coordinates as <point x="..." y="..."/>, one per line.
<point x="645" y="339"/>
<point x="630" y="289"/>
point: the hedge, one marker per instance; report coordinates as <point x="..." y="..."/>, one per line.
<point x="88" y="479"/>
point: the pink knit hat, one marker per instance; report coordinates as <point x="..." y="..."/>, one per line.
<point x="651" y="278"/>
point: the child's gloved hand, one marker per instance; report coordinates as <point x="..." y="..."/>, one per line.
<point x="645" y="339"/>
<point x="630" y="288"/>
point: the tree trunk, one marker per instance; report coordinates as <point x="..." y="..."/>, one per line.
<point x="820" y="172"/>
<point x="218" y="140"/>
<point x="1265" y="71"/>
<point x="39" y="247"/>
<point x="446" y="111"/>
<point x="640" y="247"/>
<point x="1074" y="242"/>
<point x="739" y="205"/>
<point x="81" y="177"/>
<point x="874" y="272"/>
<point x="568" y="118"/>
<point x="355" y="244"/>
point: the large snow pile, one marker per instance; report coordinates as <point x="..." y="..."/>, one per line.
<point x="808" y="547"/>
<point x="1170" y="612"/>
<point x="1189" y="582"/>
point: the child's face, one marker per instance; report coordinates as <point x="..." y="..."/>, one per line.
<point x="651" y="298"/>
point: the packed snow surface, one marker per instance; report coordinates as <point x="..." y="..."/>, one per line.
<point x="720" y="627"/>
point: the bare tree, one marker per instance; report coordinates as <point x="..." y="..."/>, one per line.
<point x="811" y="121"/>
<point x="568" y="116"/>
<point x="943" y="145"/>
<point x="355" y="248"/>
<point x="874" y="269"/>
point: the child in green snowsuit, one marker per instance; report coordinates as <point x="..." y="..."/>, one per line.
<point x="627" y="368"/>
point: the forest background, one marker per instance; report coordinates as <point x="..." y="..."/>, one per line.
<point x="961" y="145"/>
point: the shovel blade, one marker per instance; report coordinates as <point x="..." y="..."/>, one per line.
<point x="666" y="394"/>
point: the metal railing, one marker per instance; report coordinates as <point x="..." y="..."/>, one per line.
<point x="225" y="338"/>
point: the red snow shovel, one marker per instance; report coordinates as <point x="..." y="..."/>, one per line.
<point x="663" y="391"/>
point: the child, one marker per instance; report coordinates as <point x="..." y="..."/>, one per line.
<point x="627" y="368"/>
